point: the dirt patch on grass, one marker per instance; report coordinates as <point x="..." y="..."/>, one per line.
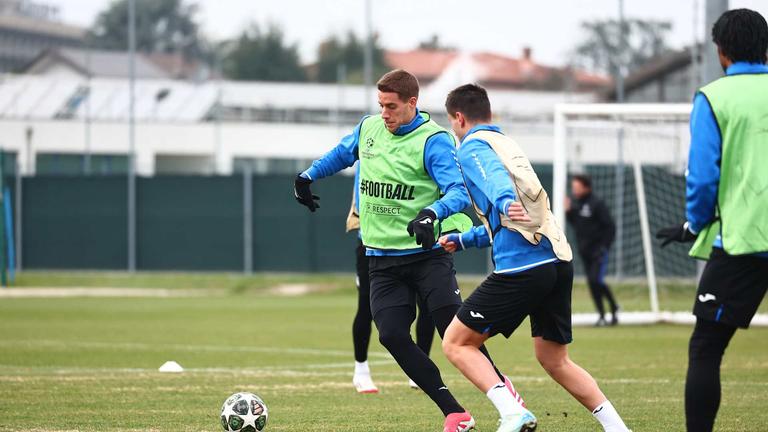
<point x="299" y="289"/>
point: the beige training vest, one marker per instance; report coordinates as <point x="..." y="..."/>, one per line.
<point x="353" y="219"/>
<point x="529" y="192"/>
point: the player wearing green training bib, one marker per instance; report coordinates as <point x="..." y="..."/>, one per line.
<point x="726" y="205"/>
<point x="410" y="191"/>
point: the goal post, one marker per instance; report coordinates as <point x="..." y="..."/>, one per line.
<point x="636" y="155"/>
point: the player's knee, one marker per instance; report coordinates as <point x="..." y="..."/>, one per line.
<point x="552" y="361"/>
<point x="709" y="340"/>
<point x="705" y="347"/>
<point x="394" y="338"/>
<point x="450" y="348"/>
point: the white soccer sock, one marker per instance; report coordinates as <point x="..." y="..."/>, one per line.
<point x="361" y="368"/>
<point x="606" y="414"/>
<point x="503" y="400"/>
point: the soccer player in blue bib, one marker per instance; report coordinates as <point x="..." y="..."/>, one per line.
<point x="533" y="274"/>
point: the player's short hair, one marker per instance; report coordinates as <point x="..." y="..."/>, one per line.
<point x="401" y="82"/>
<point x="470" y="100"/>
<point x="742" y="35"/>
<point x="584" y="179"/>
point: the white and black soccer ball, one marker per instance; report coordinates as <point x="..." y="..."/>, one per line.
<point x="244" y="412"/>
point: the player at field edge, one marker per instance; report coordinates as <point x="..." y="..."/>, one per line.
<point x="361" y="325"/>
<point x="595" y="231"/>
<point x="533" y="273"/>
<point x="410" y="190"/>
<point x="726" y="205"/>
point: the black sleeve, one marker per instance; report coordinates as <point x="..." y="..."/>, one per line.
<point x="605" y="219"/>
<point x="570" y="214"/>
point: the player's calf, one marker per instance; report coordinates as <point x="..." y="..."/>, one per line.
<point x="553" y="357"/>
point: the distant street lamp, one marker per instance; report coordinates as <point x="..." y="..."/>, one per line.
<point x="368" y="57"/>
<point x="131" y="136"/>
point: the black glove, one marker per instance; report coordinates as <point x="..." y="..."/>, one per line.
<point x="303" y="194"/>
<point x="423" y="227"/>
<point x="677" y="233"/>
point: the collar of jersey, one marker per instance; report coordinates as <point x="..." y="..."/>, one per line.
<point x="740" y="68"/>
<point x="417" y="121"/>
<point x="482" y="127"/>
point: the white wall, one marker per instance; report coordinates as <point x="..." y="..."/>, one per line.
<point x="203" y="141"/>
<point x="252" y="140"/>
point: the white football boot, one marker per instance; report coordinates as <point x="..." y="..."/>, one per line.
<point x="520" y="422"/>
<point x="364" y="384"/>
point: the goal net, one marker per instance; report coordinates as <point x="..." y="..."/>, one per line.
<point x="636" y="155"/>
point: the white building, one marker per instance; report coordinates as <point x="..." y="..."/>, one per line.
<point x="28" y="28"/>
<point x="216" y="127"/>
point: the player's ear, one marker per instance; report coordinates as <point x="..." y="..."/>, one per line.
<point x="412" y="101"/>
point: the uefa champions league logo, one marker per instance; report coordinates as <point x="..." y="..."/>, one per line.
<point x="368" y="149"/>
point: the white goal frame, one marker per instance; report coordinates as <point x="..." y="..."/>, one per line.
<point x="615" y="112"/>
<point x="618" y="113"/>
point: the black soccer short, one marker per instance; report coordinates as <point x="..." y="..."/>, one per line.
<point x="398" y="281"/>
<point x="731" y="288"/>
<point x="502" y="301"/>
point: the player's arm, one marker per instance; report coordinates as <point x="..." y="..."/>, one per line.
<point x="606" y="221"/>
<point x="702" y="177"/>
<point x="484" y="169"/>
<point x="475" y="237"/>
<point x="342" y="156"/>
<point x="570" y="211"/>
<point x="442" y="166"/>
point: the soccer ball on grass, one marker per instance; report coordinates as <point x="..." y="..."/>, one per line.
<point x="244" y="412"/>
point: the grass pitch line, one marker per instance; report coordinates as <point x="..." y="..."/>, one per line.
<point x="393" y="379"/>
<point x="648" y="318"/>
<point x="293" y="370"/>
<point x="59" y="292"/>
<point x="194" y="348"/>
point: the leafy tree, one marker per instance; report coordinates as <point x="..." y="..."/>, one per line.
<point x="601" y="49"/>
<point x="166" y="26"/>
<point x="263" y="56"/>
<point x="349" y="52"/>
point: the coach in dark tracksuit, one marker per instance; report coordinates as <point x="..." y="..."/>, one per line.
<point x="595" y="231"/>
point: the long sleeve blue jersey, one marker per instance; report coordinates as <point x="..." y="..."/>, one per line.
<point x="490" y="186"/>
<point x="703" y="175"/>
<point x="439" y="153"/>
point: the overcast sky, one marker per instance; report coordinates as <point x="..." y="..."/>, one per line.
<point x="550" y="27"/>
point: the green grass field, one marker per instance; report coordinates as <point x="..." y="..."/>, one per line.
<point x="90" y="363"/>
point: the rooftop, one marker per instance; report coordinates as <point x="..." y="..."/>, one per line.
<point x="492" y="70"/>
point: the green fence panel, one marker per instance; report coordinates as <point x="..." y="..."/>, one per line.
<point x="190" y="223"/>
<point x="282" y="229"/>
<point x="287" y="237"/>
<point x="74" y="223"/>
<point x="334" y="249"/>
